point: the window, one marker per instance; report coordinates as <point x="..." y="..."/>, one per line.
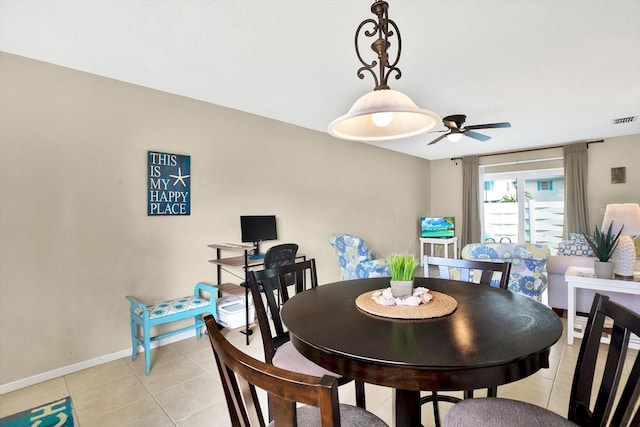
<point x="545" y="185"/>
<point x="524" y="206"/>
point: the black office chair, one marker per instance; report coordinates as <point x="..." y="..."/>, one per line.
<point x="278" y="349"/>
<point x="608" y="409"/>
<point x="241" y="374"/>
<point x="278" y="255"/>
<point x="284" y="254"/>
<point x="465" y="271"/>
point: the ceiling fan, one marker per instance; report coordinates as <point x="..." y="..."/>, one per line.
<point x="456" y="131"/>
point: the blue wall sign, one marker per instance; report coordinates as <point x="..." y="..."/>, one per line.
<point x="169" y="184"/>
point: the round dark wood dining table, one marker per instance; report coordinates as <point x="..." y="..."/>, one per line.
<point x="493" y="337"/>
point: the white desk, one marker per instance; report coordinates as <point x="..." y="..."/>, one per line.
<point x="445" y="242"/>
<point x="584" y="278"/>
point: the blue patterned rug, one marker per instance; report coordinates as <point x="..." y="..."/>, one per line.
<point x="57" y="413"/>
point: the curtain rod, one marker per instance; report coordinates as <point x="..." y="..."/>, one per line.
<point x="455" y="159"/>
<point x="521" y="162"/>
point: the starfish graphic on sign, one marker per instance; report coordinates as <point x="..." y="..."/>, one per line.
<point x="180" y="177"/>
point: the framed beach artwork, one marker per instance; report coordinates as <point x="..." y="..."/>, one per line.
<point x="618" y="175"/>
<point x="169" y="184"/>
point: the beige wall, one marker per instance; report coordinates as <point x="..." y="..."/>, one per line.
<point x="615" y="152"/>
<point x="446" y="176"/>
<point x="446" y="185"/>
<point x="75" y="237"/>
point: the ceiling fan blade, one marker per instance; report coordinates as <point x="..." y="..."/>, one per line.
<point x="476" y="135"/>
<point x="438" y="131"/>
<point x="438" y="139"/>
<point x="489" y="126"/>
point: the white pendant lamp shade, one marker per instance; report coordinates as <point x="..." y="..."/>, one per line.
<point x="383" y="115"/>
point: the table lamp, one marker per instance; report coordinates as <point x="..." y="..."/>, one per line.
<point x="624" y="256"/>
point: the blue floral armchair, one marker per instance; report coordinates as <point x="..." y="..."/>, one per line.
<point x="355" y="259"/>
<point x="528" y="274"/>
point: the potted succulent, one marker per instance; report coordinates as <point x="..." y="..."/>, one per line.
<point x="603" y="246"/>
<point x="402" y="267"/>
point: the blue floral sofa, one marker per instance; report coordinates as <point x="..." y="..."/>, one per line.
<point x="355" y="260"/>
<point x="528" y="275"/>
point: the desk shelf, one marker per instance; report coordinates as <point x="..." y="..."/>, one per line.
<point x="244" y="262"/>
<point x="231" y="289"/>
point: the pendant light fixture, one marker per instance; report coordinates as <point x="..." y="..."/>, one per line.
<point x="383" y="114"/>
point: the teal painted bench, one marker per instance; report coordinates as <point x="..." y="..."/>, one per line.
<point x="144" y="317"/>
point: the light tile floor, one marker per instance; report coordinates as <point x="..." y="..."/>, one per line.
<point x="183" y="388"/>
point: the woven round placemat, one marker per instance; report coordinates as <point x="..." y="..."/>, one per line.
<point x="440" y="305"/>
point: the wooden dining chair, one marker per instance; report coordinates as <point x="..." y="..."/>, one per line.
<point x="242" y="375"/>
<point x="621" y="372"/>
<point x="472" y="271"/>
<point x="469" y="270"/>
<point x="274" y="283"/>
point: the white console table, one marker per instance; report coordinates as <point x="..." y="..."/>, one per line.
<point x="584" y="278"/>
<point x="444" y="241"/>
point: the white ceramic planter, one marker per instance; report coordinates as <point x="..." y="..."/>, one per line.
<point x="401" y="288"/>
<point x="603" y="270"/>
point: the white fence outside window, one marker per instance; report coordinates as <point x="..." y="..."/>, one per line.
<point x="543" y="222"/>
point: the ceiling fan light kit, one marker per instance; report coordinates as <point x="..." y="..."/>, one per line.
<point x="383" y="114"/>
<point x="455" y="136"/>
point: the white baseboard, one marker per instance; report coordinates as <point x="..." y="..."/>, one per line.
<point x="66" y="370"/>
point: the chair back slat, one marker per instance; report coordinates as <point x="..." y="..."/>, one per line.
<point x="251" y="402"/>
<point x="465" y="270"/>
<point x="241" y="375"/>
<point x="284" y="411"/>
<point x="241" y="415"/>
<point x="442" y="269"/>
<point x="625" y="322"/>
<point x="623" y="415"/>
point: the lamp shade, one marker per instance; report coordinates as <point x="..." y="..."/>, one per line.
<point x="455" y="136"/>
<point x="627" y="214"/>
<point x="383" y="115"/>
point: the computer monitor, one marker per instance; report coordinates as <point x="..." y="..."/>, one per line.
<point x="257" y="228"/>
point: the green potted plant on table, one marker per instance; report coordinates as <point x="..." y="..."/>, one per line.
<point x="603" y="246"/>
<point x="403" y="267"/>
